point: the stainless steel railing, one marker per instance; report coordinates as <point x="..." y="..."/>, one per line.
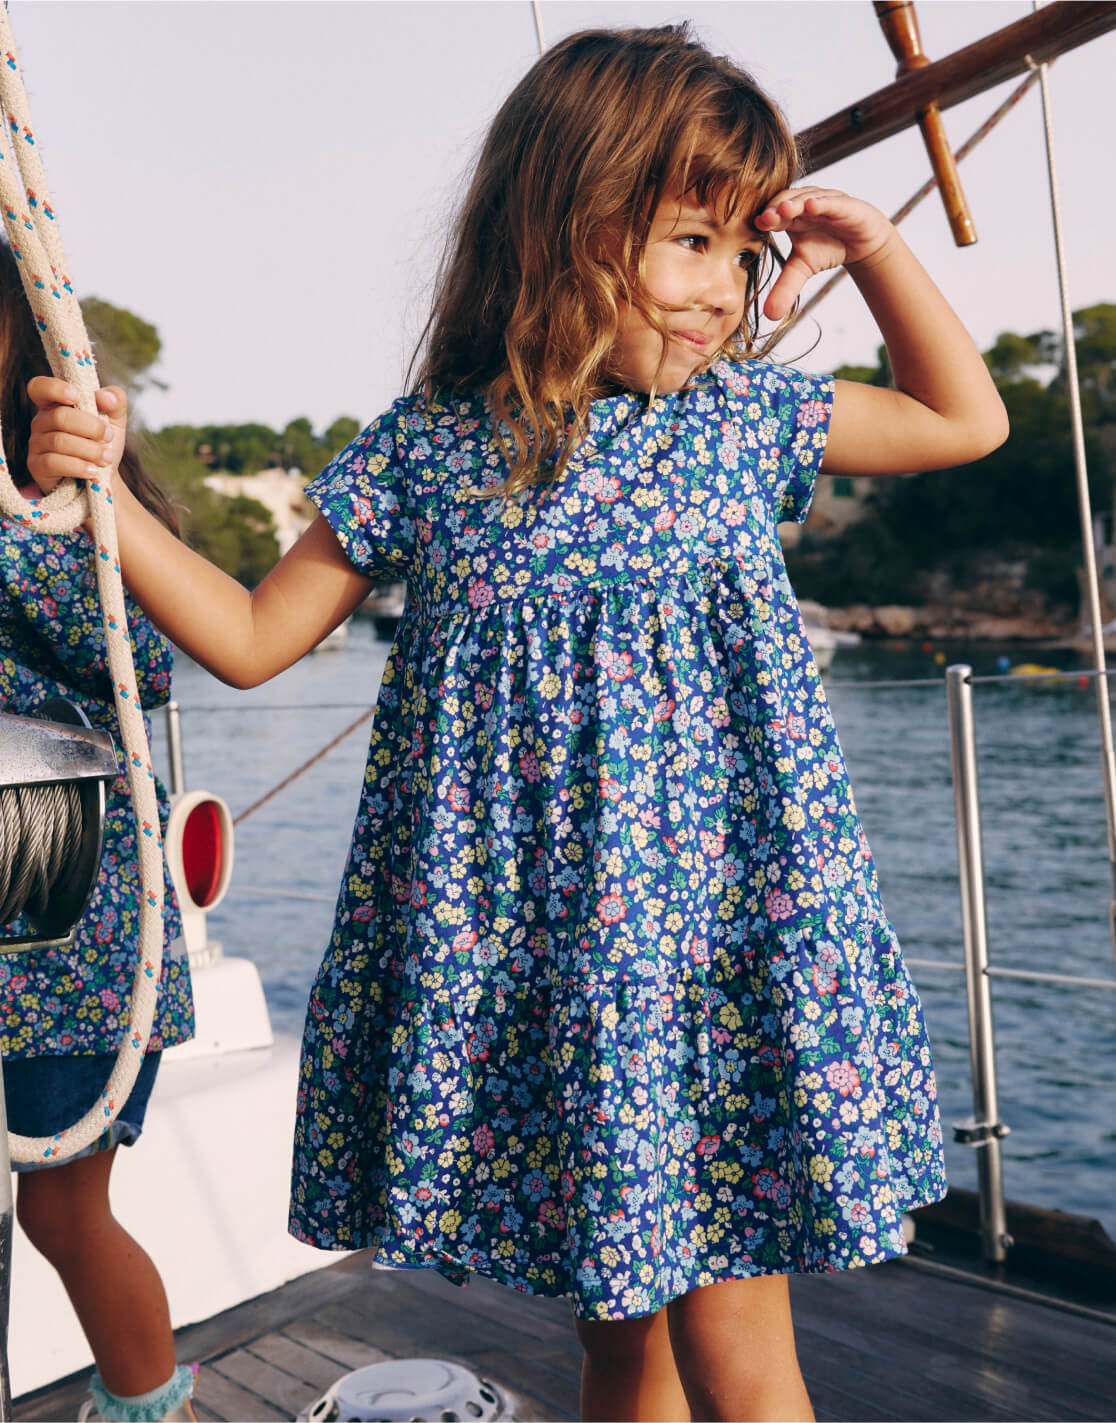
<point x="984" y="1130"/>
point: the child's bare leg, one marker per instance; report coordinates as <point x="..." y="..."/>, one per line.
<point x="628" y="1372"/>
<point x="734" y="1347"/>
<point x="112" y="1283"/>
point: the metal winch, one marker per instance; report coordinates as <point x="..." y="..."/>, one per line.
<point x="53" y="770"/>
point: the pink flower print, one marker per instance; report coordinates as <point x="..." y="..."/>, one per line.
<point x="619" y="664"/>
<point x="843" y="1076"/>
<point x="811" y="413"/>
<point x="764" y="1183"/>
<point x="551" y="1215"/>
<point x="699" y="951"/>
<point x="796" y="727"/>
<point x="610" y="909"/>
<point x="735" y="513"/>
<point x="663" y="520"/>
<point x="856" y="1213"/>
<point x="778" y="904"/>
<point x="529" y="765"/>
<point x="708" y="1145"/>
<point x="604" y="488"/>
<point x="484" y="1139"/>
<point x="664" y="709"/>
<point x="542" y="539"/>
<point x="458" y="798"/>
<point x="825" y="980"/>
<point x="481" y="593"/>
<point x="712" y="843"/>
<point x="464" y="941"/>
<point x="610" y="788"/>
<point x="110" y="999"/>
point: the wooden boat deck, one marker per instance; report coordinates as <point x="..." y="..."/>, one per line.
<point x="906" y="1340"/>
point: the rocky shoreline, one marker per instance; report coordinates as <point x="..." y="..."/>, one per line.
<point x="940" y="622"/>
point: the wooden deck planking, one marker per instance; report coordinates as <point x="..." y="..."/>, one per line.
<point x="999" y="1347"/>
<point x="892" y="1343"/>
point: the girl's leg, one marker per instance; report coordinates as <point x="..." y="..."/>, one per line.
<point x="112" y="1283"/>
<point x="734" y="1346"/>
<point x="628" y="1371"/>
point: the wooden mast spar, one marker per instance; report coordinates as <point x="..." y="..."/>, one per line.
<point x="1002" y="55"/>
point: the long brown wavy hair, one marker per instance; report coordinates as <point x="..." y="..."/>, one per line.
<point x="547" y="250"/>
<point x="21" y="358"/>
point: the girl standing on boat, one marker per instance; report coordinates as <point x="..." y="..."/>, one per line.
<point x="611" y="1008"/>
<point x="63" y="1010"/>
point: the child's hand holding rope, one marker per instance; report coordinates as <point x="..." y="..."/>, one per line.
<point x="67" y="443"/>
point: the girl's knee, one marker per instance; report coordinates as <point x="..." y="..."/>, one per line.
<point x="618" y="1342"/>
<point x="58" y="1206"/>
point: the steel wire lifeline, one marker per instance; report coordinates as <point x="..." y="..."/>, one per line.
<point x="32" y="229"/>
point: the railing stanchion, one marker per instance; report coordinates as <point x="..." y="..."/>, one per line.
<point x="984" y="1129"/>
<point x="174" y="749"/>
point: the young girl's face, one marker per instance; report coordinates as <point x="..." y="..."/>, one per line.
<point x="697" y="265"/>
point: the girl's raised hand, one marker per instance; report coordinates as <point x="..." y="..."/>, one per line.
<point x="67" y="443"/>
<point x="827" y="229"/>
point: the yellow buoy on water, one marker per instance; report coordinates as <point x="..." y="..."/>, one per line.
<point x="1044" y="676"/>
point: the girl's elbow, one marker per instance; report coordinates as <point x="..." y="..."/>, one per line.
<point x="987" y="433"/>
<point x="999" y="427"/>
<point x="241" y="676"/>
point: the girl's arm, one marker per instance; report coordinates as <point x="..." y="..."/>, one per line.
<point x="241" y="637"/>
<point x="946" y="409"/>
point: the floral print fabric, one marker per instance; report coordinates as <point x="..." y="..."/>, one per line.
<point x="76" y="999"/>
<point x="611" y="1007"/>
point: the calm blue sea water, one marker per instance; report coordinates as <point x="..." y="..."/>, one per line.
<point x="1044" y="844"/>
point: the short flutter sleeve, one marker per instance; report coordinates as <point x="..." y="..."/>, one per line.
<point x="362" y="493"/>
<point x="786" y="412"/>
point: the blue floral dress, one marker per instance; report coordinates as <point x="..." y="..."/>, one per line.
<point x="611" y="1007"/>
<point x="75" y="1000"/>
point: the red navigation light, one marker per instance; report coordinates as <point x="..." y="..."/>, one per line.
<point x="203" y="852"/>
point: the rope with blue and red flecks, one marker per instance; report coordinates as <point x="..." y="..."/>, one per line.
<point x="32" y="229"/>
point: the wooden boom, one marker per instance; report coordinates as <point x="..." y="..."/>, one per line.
<point x="900" y="26"/>
<point x="1044" y="35"/>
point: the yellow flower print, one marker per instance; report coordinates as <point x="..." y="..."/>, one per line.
<point x="793" y="816"/>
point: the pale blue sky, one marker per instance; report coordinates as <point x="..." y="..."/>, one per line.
<point x="269" y="182"/>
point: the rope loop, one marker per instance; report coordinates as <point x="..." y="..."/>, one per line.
<point x="32" y="227"/>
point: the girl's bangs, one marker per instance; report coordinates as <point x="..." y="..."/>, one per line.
<point x="740" y="169"/>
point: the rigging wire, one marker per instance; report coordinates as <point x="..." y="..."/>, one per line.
<point x="1081" y="475"/>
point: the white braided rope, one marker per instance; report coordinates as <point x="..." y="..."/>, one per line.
<point x="32" y="229"/>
